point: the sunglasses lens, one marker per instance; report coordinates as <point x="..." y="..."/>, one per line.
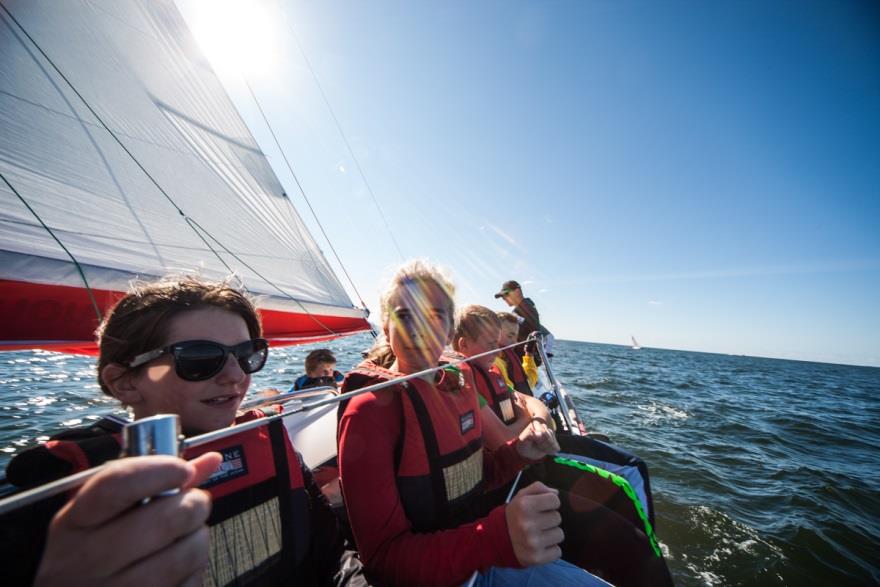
<point x="199" y="361"/>
<point x="252" y="355"/>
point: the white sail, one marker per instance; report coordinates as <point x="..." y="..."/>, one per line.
<point x="97" y="98"/>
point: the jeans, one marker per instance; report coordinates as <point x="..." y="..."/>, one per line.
<point x="556" y="573"/>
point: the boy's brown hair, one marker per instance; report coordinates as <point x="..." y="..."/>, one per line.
<point x="318" y="356"/>
<point x="507" y="317"/>
<point x="471" y="321"/>
<point x="140" y="321"/>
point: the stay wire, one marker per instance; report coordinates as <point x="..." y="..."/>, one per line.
<point x="76" y="264"/>
<point x="344" y="138"/>
<point x="260" y="275"/>
<point x="302" y="191"/>
<point x="149" y="176"/>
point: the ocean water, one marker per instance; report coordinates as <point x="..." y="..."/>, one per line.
<point x="765" y="472"/>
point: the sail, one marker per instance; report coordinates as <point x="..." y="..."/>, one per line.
<point x="123" y="158"/>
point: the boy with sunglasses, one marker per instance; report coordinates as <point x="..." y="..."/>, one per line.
<point x="189" y="347"/>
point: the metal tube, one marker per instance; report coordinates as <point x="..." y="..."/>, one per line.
<point x="554" y="384"/>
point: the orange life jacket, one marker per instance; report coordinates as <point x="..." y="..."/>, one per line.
<point x="439" y="453"/>
<point x="491" y="385"/>
<point x="259" y="518"/>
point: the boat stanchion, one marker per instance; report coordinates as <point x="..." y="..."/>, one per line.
<point x="554" y="385"/>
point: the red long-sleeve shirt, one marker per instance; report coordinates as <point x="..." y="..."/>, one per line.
<point x="369" y="430"/>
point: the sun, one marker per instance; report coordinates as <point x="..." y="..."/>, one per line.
<point x="237" y="36"/>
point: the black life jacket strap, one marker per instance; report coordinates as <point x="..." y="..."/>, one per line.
<point x="432" y="449"/>
<point x="278" y="440"/>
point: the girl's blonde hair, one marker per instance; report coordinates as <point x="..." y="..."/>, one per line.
<point x="414" y="270"/>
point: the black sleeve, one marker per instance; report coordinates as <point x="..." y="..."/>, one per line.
<point x="529" y="314"/>
<point x="23" y="539"/>
<point x="335" y="560"/>
<point x="36" y="466"/>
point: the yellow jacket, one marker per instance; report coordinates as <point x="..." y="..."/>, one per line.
<point x="528" y="365"/>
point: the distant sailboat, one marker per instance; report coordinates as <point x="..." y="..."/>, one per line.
<point x="635" y="345"/>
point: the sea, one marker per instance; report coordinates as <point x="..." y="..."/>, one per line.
<point x="764" y="471"/>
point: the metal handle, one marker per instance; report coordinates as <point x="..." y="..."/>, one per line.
<point x="156" y="435"/>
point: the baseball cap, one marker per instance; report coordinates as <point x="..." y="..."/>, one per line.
<point x="507" y="287"/>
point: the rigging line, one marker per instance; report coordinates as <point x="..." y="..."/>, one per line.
<point x="260" y="275"/>
<point x="302" y="191"/>
<point x="344" y="138"/>
<point x="76" y="264"/>
<point x="179" y="210"/>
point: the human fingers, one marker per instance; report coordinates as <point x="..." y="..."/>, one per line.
<point x="550" y="554"/>
<point x="174" y="565"/>
<point x="120" y="485"/>
<point x="204" y="466"/>
<point x="143" y="531"/>
<point x="535" y="488"/>
<point x="194" y="580"/>
<point x="545" y="502"/>
<point x="553" y="537"/>
<point x="137" y="533"/>
<point x="548" y="520"/>
<point x="546" y="441"/>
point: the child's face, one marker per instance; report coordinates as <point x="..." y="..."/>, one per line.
<point x="322" y="370"/>
<point x="486" y="341"/>
<point x="508" y="333"/>
<point x="418" y="326"/>
<point x="203" y="406"/>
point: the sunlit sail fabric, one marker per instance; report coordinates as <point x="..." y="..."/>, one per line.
<point x="138" y="71"/>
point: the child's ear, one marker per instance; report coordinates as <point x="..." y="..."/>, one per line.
<point x="122" y="383"/>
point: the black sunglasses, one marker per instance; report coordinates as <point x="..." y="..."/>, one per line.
<point x="197" y="360"/>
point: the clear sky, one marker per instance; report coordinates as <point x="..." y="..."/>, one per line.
<point x="702" y="175"/>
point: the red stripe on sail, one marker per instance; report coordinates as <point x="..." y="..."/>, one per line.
<point x="61" y="318"/>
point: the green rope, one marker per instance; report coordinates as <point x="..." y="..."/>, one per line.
<point x="627" y="489"/>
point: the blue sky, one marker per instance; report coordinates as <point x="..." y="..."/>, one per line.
<point x="702" y="175"/>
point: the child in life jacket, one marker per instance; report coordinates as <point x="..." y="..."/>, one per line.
<point x="189" y="347"/>
<point x="477" y="332"/>
<point x="520" y="374"/>
<point x="321" y="371"/>
<point x="414" y="468"/>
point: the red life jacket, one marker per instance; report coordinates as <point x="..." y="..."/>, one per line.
<point x="515" y="371"/>
<point x="257" y="493"/>
<point x="439" y="453"/>
<point x="491" y="385"/>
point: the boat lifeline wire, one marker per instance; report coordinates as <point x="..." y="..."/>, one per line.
<point x="66" y="483"/>
<point x="193" y="224"/>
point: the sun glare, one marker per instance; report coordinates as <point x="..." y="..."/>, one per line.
<point x="237" y="36"/>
